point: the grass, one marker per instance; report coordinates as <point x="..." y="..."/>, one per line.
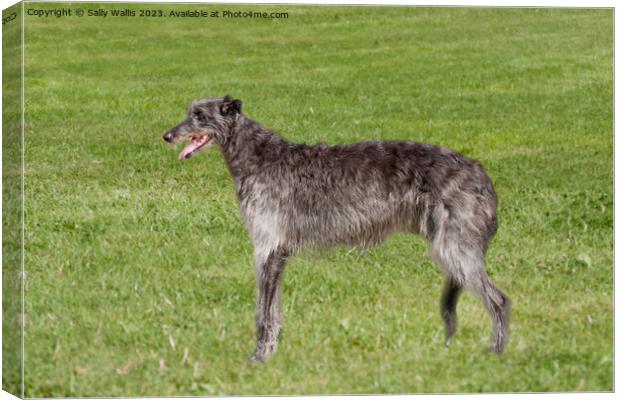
<point x="11" y="202"/>
<point x="139" y="276"/>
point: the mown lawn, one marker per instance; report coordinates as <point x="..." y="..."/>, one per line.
<point x="139" y="278"/>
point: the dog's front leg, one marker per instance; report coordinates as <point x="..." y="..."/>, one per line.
<point x="269" y="270"/>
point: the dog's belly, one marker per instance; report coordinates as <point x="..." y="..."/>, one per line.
<point x="360" y="219"/>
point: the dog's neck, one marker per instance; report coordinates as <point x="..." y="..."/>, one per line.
<point x="249" y="147"/>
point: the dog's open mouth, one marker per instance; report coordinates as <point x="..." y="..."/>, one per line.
<point x="196" y="144"/>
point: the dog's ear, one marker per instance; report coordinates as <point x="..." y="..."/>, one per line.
<point x="230" y="106"/>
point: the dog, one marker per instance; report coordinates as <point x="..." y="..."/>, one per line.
<point x="294" y="196"/>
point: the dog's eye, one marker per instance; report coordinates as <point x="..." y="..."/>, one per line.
<point x="198" y="115"/>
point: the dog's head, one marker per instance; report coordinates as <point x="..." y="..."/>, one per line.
<point x="207" y="121"/>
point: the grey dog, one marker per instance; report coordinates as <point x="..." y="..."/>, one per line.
<point x="292" y="196"/>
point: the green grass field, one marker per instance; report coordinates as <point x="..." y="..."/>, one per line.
<point x="139" y="277"/>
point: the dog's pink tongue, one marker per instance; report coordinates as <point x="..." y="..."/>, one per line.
<point x="187" y="151"/>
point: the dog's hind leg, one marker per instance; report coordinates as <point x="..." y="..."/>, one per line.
<point x="466" y="270"/>
<point x="269" y="271"/>
<point x="498" y="305"/>
<point x="449" y="298"/>
<point x="459" y="250"/>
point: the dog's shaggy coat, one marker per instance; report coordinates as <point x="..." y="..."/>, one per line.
<point x="293" y="196"/>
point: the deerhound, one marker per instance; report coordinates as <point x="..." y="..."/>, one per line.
<point x="292" y="196"/>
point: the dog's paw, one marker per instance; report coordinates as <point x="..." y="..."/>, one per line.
<point x="497" y="349"/>
<point x="257" y="359"/>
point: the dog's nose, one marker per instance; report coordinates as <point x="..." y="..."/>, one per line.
<point x="168" y="137"/>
